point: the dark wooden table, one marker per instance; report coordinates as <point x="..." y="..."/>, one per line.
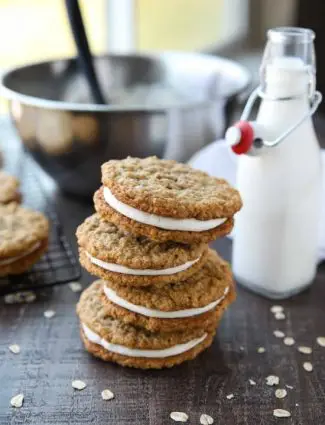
<point x="52" y="356"/>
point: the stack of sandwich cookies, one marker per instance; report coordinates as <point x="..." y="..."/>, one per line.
<point x="23" y="238"/>
<point x="162" y="291"/>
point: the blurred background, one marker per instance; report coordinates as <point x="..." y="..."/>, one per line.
<point x="198" y="94"/>
<point x="37" y="30"/>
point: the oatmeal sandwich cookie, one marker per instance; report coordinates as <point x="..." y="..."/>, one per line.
<point x="23" y="238"/>
<point x="113" y="340"/>
<point x="165" y="200"/>
<point x="116" y="255"/>
<point x="9" y="189"/>
<point x="198" y="302"/>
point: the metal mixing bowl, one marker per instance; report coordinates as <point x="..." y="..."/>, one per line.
<point x="167" y="104"/>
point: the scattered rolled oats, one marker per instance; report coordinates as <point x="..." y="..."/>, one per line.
<point x="78" y="385"/>
<point x="14" y="348"/>
<point x="179" y="416"/>
<point x="252" y="382"/>
<point x="272" y="380"/>
<point x="305" y="350"/>
<point x="230" y="396"/>
<point x="289" y="341"/>
<point x="280" y="393"/>
<point x="278" y="334"/>
<point x="75" y="286"/>
<point x="49" y="314"/>
<point x="17" y="400"/>
<point x="107" y="394"/>
<point x="280" y="316"/>
<point x="281" y="413"/>
<point x="206" y="419"/>
<point x="321" y="341"/>
<point x="308" y="367"/>
<point x="261" y="350"/>
<point x="276" y="309"/>
<point x="20" y="297"/>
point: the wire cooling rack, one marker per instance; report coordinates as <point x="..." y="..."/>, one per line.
<point x="58" y="265"/>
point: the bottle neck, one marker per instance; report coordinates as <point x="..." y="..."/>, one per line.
<point x="294" y="89"/>
<point x="286" y="101"/>
<point x="286" y="78"/>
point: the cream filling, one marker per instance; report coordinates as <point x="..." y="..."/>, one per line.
<point x="135" y="352"/>
<point x="18" y="257"/>
<point x="140" y="272"/>
<point x="114" y="298"/>
<point x="184" y="224"/>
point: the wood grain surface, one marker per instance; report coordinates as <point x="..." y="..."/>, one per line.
<point x="52" y="356"/>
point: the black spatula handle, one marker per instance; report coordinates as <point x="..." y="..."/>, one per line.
<point x="85" y="57"/>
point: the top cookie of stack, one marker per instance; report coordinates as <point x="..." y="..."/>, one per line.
<point x="164" y="200"/>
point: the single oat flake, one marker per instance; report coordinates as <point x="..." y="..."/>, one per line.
<point x="261" y="350"/>
<point x="78" y="385"/>
<point x="281" y="413"/>
<point x="276" y="309"/>
<point x="206" y="419"/>
<point x="17" y="400"/>
<point x="252" y="382"/>
<point x="49" y="314"/>
<point x="107" y="394"/>
<point x="179" y="416"/>
<point x="321" y="341"/>
<point x="290" y="387"/>
<point x="278" y="334"/>
<point x="272" y="380"/>
<point x="75" y="286"/>
<point x="289" y="341"/>
<point x="280" y="393"/>
<point x="280" y="316"/>
<point x="14" y="348"/>
<point x="308" y="367"/>
<point x="305" y="350"/>
<point x="230" y="396"/>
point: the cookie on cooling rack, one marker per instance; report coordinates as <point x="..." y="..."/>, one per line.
<point x="165" y="200"/>
<point x="23" y="238"/>
<point x="9" y="189"/>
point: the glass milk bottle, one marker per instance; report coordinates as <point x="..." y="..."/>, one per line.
<point x="279" y="171"/>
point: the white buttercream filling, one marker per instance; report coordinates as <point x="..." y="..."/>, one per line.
<point x="182" y="224"/>
<point x="18" y="257"/>
<point x="135" y="352"/>
<point x="114" y="298"/>
<point x="140" y="272"/>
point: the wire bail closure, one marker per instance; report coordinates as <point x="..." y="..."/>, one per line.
<point x="315" y="100"/>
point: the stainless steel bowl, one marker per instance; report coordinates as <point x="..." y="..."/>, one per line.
<point x="168" y="104"/>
